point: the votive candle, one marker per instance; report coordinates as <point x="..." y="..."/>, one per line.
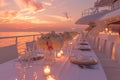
<point x="50" y="77"/>
<point x="58" y="54"/>
<point x="47" y="70"/>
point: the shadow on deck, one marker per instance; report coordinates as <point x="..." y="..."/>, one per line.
<point x="8" y="53"/>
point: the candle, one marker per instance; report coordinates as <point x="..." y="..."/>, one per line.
<point x="47" y="70"/>
<point x="110" y="32"/>
<point x="61" y="52"/>
<point x="58" y="54"/>
<point x="71" y="43"/>
<point x="106" y="29"/>
<point x="50" y="77"/>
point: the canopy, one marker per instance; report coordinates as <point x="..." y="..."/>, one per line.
<point x="91" y="18"/>
<point x="112" y="17"/>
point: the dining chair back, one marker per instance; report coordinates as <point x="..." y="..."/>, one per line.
<point x="109" y="48"/>
<point x="103" y="45"/>
<point x="117" y="53"/>
<point x="97" y="43"/>
<point x="31" y="45"/>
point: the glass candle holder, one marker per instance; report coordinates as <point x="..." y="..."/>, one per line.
<point x="50" y="77"/>
<point x="61" y="52"/>
<point x="59" y="55"/>
<point x="47" y="70"/>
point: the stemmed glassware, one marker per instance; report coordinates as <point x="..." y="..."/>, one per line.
<point x="49" y="57"/>
<point x="29" y="53"/>
<point x="25" y="58"/>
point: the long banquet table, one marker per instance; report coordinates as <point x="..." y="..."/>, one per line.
<point x="62" y="69"/>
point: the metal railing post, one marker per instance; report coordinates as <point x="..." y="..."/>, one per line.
<point x="16" y="40"/>
<point x="33" y="37"/>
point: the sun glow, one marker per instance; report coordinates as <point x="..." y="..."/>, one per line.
<point x="37" y="13"/>
<point x="27" y="11"/>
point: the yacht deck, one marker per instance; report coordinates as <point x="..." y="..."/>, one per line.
<point x="111" y="68"/>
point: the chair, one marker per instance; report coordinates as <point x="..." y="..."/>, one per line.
<point x="117" y="53"/>
<point x="109" y="49"/>
<point x="92" y="41"/>
<point x="8" y="53"/>
<point x="103" y="45"/>
<point x="31" y="45"/>
<point x="97" y="42"/>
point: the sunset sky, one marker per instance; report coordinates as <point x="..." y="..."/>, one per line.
<point x="41" y="15"/>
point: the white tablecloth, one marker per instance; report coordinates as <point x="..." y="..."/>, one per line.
<point x="62" y="69"/>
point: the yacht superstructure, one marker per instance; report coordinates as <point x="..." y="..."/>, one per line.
<point x="104" y="13"/>
<point x="104" y="34"/>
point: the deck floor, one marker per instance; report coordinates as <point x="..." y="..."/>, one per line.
<point x="111" y="68"/>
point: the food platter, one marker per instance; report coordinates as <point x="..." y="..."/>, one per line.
<point x="83" y="61"/>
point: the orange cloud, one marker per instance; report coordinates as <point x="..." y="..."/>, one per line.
<point x="51" y="0"/>
<point x="61" y="18"/>
<point x="30" y="4"/>
<point x="28" y="13"/>
<point x="19" y="17"/>
<point x="35" y="6"/>
<point x="47" y="3"/>
<point x="3" y="3"/>
<point x="8" y="14"/>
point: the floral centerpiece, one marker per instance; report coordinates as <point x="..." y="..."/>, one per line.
<point x="50" y="42"/>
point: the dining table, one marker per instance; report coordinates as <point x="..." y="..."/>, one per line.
<point x="61" y="69"/>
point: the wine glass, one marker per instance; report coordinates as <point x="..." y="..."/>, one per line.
<point x="20" y="71"/>
<point x="25" y="58"/>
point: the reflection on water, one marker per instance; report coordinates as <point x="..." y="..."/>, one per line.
<point x="7" y="42"/>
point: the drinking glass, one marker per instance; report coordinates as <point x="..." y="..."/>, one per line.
<point x="25" y="58"/>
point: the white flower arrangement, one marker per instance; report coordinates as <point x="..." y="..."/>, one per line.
<point x="54" y="41"/>
<point x="66" y="36"/>
<point x="73" y="34"/>
<point x="50" y="41"/>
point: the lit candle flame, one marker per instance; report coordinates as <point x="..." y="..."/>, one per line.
<point x="59" y="54"/>
<point x="110" y="32"/>
<point x="50" y="78"/>
<point x="47" y="70"/>
<point x="106" y="29"/>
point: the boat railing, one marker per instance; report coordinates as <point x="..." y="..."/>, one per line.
<point x="115" y="6"/>
<point x="17" y="37"/>
<point x="19" y="41"/>
<point x="95" y="10"/>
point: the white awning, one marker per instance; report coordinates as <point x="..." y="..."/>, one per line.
<point x="112" y="14"/>
<point x="91" y="18"/>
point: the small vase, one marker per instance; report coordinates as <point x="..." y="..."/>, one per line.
<point x="49" y="57"/>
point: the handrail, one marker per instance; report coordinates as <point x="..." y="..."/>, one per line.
<point x="96" y="10"/>
<point x="20" y="45"/>
<point x="19" y="36"/>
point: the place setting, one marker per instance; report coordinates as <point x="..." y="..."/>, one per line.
<point x="83" y="43"/>
<point x="84" y="48"/>
<point x="84" y="61"/>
